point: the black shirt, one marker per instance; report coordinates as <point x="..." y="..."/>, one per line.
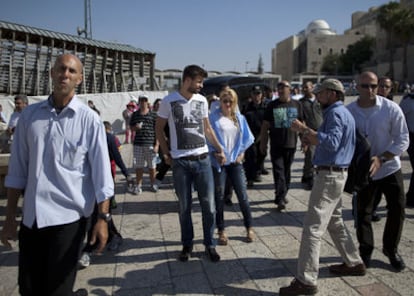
<point x="280" y="116"/>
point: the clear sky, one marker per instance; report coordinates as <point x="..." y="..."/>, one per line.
<point x="222" y="35"/>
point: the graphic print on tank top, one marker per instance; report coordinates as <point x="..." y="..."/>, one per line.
<point x="283" y="117"/>
<point x="188" y="121"/>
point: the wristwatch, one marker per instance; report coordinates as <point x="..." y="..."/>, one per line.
<point x="383" y="159"/>
<point x="105" y="216"/>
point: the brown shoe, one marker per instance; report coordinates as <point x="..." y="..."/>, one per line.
<point x="343" y="269"/>
<point x="250" y="235"/>
<point x="297" y="288"/>
<point x="222" y="238"/>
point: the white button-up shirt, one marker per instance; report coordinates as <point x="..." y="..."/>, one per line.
<point x="386" y="130"/>
<point x="61" y="161"/>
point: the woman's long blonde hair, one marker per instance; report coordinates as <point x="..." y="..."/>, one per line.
<point x="232" y="93"/>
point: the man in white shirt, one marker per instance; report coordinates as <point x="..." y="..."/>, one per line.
<point x="60" y="161"/>
<point x="382" y="122"/>
<point x="186" y="112"/>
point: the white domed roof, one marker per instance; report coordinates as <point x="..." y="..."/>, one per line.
<point x="319" y="27"/>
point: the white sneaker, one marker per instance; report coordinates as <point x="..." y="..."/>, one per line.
<point x="154" y="188"/>
<point x="130" y="186"/>
<point x="85" y="260"/>
<point x="137" y="190"/>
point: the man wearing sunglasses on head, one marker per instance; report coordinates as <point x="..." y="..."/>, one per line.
<point x="383" y="124"/>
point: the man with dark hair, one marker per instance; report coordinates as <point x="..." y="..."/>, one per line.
<point x="384" y="90"/>
<point x="186" y="112"/>
<point x="312" y="115"/>
<point x="145" y="144"/>
<point x="278" y="116"/>
<point x="20" y="102"/>
<point x="114" y="237"/>
<point x="254" y="112"/>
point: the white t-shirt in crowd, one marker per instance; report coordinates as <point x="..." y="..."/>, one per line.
<point x="185" y="121"/>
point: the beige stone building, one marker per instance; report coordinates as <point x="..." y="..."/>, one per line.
<point x="302" y="54"/>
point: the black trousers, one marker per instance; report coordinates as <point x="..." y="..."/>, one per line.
<point x="410" y="192"/>
<point x="282" y="159"/>
<point x="254" y="161"/>
<point x="48" y="258"/>
<point x="393" y="188"/>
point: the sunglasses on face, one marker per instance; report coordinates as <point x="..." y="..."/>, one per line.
<point x="282" y="85"/>
<point x="366" y="85"/>
<point x="227" y="101"/>
<point x="384" y="86"/>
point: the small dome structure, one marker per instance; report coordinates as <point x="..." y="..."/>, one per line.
<point x="319" y="27"/>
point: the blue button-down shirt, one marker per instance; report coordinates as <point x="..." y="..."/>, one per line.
<point x="61" y="161"/>
<point x="336" y="137"/>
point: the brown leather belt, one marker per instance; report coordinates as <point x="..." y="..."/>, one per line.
<point x="330" y="168"/>
<point x="194" y="157"/>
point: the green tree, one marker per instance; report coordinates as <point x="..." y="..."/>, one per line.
<point x="352" y="60"/>
<point x="357" y="54"/>
<point x="387" y="18"/>
<point x="331" y="64"/>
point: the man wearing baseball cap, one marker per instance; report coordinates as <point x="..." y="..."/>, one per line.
<point x="335" y="145"/>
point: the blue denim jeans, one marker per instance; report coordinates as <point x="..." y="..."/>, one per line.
<point x="236" y="174"/>
<point x="187" y="173"/>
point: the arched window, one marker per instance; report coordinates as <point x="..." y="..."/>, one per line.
<point x="319" y="51"/>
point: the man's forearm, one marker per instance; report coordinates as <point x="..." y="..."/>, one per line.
<point x="13" y="195"/>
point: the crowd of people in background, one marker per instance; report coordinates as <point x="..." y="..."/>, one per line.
<point x="214" y="146"/>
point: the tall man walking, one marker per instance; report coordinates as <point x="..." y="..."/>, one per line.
<point x="312" y="115"/>
<point x="335" y="145"/>
<point x="60" y="160"/>
<point x="186" y="112"/>
<point x="382" y="122"/>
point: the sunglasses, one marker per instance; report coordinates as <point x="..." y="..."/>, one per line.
<point x="366" y="85"/>
<point x="225" y="101"/>
<point x="384" y="86"/>
<point x="281" y="85"/>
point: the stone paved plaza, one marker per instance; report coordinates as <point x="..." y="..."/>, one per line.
<point x="147" y="264"/>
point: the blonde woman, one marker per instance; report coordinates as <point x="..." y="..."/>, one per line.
<point x="235" y="137"/>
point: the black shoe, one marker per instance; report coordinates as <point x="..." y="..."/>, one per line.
<point x="228" y="202"/>
<point x="367" y="260"/>
<point x="280" y="202"/>
<point x="395" y="259"/>
<point x="250" y="184"/>
<point x="308" y="185"/>
<point x="375" y="217"/>
<point x="409" y="204"/>
<point x="212" y="254"/>
<point x="297" y="288"/>
<point x="265" y="172"/>
<point x="345" y="270"/>
<point x="185" y="253"/>
<point x="80" y="292"/>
